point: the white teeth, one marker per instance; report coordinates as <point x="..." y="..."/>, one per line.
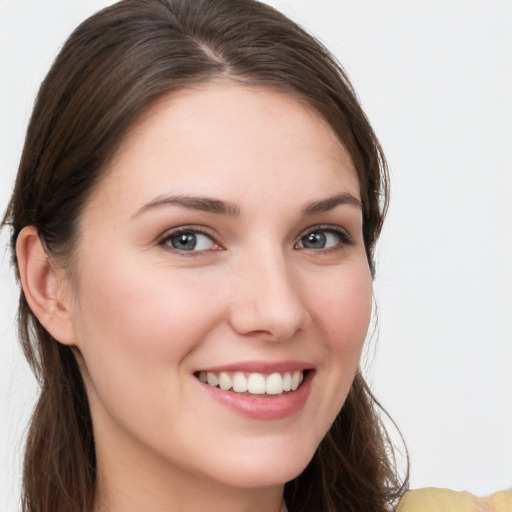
<point x="295" y="380"/>
<point x="287" y="382"/>
<point x="274" y="384"/>
<point x="255" y="383"/>
<point x="212" y="379"/>
<point x="239" y="383"/>
<point x="225" y="382"/>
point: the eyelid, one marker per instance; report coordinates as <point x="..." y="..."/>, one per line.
<point x="345" y="236"/>
<point x="194" y="229"/>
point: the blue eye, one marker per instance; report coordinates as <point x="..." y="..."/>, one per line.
<point x="190" y="241"/>
<point x="323" y="239"/>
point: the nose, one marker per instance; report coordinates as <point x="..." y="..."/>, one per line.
<point x="266" y="299"/>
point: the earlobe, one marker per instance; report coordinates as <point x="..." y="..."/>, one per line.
<point x="43" y="286"/>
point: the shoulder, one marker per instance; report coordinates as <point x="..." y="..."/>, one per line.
<point x="445" y="500"/>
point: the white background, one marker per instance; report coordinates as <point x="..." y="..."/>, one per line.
<point x="435" y="78"/>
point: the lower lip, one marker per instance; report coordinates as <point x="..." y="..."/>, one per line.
<point x="267" y="407"/>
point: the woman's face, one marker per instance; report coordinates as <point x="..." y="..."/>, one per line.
<point x="223" y="244"/>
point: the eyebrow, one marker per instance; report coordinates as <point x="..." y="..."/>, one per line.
<point x="218" y="207"/>
<point x="331" y="202"/>
<point x="204" y="204"/>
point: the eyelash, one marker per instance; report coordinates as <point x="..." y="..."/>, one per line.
<point x="343" y="235"/>
<point x="188" y="230"/>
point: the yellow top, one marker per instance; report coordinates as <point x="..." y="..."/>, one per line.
<point x="444" y="500"/>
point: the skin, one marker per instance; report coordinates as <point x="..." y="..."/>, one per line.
<point x="145" y="317"/>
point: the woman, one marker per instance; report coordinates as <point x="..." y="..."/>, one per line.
<point x="172" y="155"/>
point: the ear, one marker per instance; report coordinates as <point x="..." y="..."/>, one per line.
<point x="43" y="286"/>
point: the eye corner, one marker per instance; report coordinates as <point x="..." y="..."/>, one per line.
<point x="194" y="241"/>
<point x="324" y="238"/>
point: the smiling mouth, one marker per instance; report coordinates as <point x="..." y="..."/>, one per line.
<point x="254" y="383"/>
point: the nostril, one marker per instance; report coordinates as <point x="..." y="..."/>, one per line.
<point x="266" y="302"/>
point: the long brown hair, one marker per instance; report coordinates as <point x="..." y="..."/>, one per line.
<point x="110" y="70"/>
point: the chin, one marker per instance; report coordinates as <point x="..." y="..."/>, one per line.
<point x="279" y="467"/>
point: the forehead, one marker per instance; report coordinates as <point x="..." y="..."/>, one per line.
<point x="229" y="139"/>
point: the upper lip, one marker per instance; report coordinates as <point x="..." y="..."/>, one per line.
<point x="260" y="367"/>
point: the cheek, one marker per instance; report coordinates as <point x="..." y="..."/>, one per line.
<point x="145" y="312"/>
<point x="344" y="310"/>
<point x="135" y="328"/>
